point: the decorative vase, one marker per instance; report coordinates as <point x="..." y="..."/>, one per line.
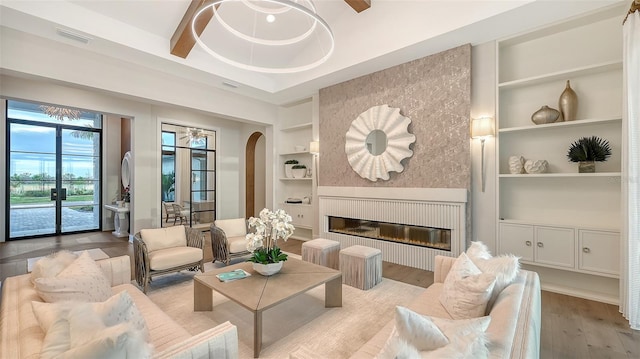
<point x="299" y="172"/>
<point x="536" y="166"/>
<point x="586" y="167"/>
<point x="267" y="269"/>
<point x="287" y="170"/>
<point x="516" y="164"/>
<point x="568" y="104"/>
<point x="544" y="115"/>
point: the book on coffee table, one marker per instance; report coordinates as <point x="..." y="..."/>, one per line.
<point x="233" y="275"/>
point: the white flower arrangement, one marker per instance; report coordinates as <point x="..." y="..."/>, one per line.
<point x="269" y="227"/>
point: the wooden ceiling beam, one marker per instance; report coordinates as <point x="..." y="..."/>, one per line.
<point x="359" y="5"/>
<point x="182" y="40"/>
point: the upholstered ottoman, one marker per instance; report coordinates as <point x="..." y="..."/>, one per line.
<point x="322" y="251"/>
<point x="361" y="266"/>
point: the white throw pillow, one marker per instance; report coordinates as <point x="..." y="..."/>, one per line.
<point x="418" y="330"/>
<point x="56" y="340"/>
<point x="466" y="290"/>
<point x="504" y="267"/>
<point x="472" y="346"/>
<point x="79" y="330"/>
<point x="91" y="338"/>
<point x="52" y="265"/>
<point x="82" y="280"/>
<point x="397" y="348"/>
<point x="120" y="308"/>
<point x="466" y="340"/>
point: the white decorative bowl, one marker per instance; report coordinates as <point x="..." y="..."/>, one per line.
<point x="267" y="269"/>
<point x="536" y="166"/>
<point x="299" y="172"/>
<point x="516" y="164"/>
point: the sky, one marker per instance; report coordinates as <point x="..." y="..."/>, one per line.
<point x="33" y="147"/>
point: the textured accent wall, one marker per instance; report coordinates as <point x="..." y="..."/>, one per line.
<point x="434" y="92"/>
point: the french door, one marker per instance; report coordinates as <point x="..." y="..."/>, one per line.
<point x="53" y="175"/>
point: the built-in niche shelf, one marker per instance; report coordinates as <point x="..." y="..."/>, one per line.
<point x="295" y="179"/>
<point x="301" y="126"/>
<point x="295" y="153"/>
<point x="560" y="124"/>
<point x="556" y="175"/>
<point x="562" y="75"/>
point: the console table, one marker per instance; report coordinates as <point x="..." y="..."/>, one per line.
<point x="120" y="220"/>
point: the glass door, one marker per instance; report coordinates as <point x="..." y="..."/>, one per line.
<point x="54" y="172"/>
<point x="32" y="177"/>
<point x="80" y="165"/>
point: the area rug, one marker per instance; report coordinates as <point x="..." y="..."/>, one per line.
<point x="95" y="253"/>
<point x="301" y="321"/>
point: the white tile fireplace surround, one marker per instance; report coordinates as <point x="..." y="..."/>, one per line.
<point x="428" y="207"/>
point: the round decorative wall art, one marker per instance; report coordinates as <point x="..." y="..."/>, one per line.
<point x="377" y="141"/>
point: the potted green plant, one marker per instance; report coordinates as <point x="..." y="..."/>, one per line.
<point x="299" y="171"/>
<point x="587" y="150"/>
<point x="270" y="226"/>
<point x="288" y="164"/>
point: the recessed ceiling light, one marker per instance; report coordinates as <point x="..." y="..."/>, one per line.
<point x="271" y="18"/>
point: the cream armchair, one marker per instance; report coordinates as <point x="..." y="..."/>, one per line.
<point x="165" y="250"/>
<point x="228" y="239"/>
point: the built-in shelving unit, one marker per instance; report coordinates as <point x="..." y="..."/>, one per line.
<point x="293" y="144"/>
<point x="562" y="223"/>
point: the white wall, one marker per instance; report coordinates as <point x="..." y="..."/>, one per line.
<point x="483" y="103"/>
<point x="146" y="145"/>
<point x="111" y="165"/>
<point x="27" y="55"/>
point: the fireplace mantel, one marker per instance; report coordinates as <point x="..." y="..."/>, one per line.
<point x="431" y="207"/>
<point x="455" y="195"/>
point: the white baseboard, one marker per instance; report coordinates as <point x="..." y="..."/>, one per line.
<point x="580" y="293"/>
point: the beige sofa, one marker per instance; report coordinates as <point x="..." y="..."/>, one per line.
<point x="22" y="337"/>
<point x="514" y="331"/>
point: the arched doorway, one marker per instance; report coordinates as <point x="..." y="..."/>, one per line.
<point x="255" y="186"/>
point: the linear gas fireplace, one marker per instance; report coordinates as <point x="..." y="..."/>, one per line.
<point x="411" y="226"/>
<point x="423" y="236"/>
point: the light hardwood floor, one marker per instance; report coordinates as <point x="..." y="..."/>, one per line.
<point x="571" y="327"/>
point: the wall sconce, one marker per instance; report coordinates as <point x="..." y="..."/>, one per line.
<point x="314" y="147"/>
<point x="481" y="128"/>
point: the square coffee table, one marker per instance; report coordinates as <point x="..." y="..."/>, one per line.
<point x="258" y="293"/>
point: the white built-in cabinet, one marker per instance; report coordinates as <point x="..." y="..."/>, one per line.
<point x="561" y="219"/>
<point x="294" y="136"/>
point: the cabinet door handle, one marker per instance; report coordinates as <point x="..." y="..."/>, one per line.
<point x="528" y="243"/>
<point x="540" y="244"/>
<point x="586" y="250"/>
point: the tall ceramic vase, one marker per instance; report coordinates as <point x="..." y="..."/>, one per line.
<point x="568" y="104"/>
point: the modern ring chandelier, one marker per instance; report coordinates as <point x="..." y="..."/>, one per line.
<point x="270" y="36"/>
